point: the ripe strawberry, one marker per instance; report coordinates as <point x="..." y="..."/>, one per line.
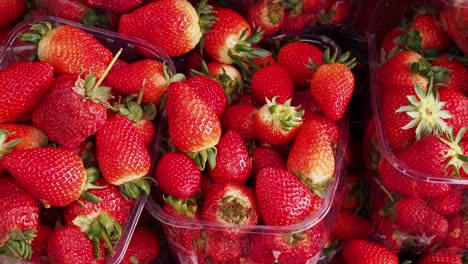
<point x="283" y="199"/>
<point x="267" y="16"/>
<point x="457" y="232"/>
<point x="228" y="75"/>
<point x="295" y="56"/>
<point x="129" y="79"/>
<point x="440" y="259"/>
<point x="233" y="164"/>
<point x="117" y="6"/>
<point x="312" y="158"/>
<point x="222" y="248"/>
<point x="363" y="252"/>
<point x="193" y="132"/>
<point x="171" y="25"/>
<point x="306" y="101"/>
<point x="231" y="204"/>
<point x="128" y="166"/>
<point x="390" y="45"/>
<point x="19" y="219"/>
<point x="266" y="157"/>
<point x="69" y="49"/>
<point x="425" y="33"/>
<point x="178" y="175"/>
<point x="332" y="85"/>
<point x="19" y="98"/>
<point x="38" y="170"/>
<point x="294" y="248"/>
<point x="452" y="19"/>
<point x="336" y="14"/>
<point x="270" y="81"/>
<point x="415" y="217"/>
<point x="29" y="136"/>
<point x="458" y="73"/>
<point x="144" y="246"/>
<point x="210" y="91"/>
<point x="331" y="128"/>
<point x="457" y="105"/>
<point x="39" y="244"/>
<point x="277" y="124"/>
<point x="350" y="226"/>
<point x="239" y="118"/>
<point x="447" y="204"/>
<point x="11" y="11"/>
<point x="295" y="22"/>
<point x="60" y="250"/>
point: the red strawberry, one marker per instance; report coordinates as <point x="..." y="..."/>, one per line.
<point x="349" y="226"/>
<point x="440" y="259"/>
<point x="60" y="250"/>
<point x="11" y="11"/>
<point x="69" y="49"/>
<point x="129" y="79"/>
<point x="39" y="244"/>
<point x="266" y="157"/>
<point x="306" y="101"/>
<point x="19" y="98"/>
<point x="143" y="247"/>
<point x="277" y="124"/>
<point x="266" y="15"/>
<point x="458" y="73"/>
<point x="31" y="137"/>
<point x="228" y="75"/>
<point x="39" y="170"/>
<point x="283" y="199"/>
<point x="457" y="232"/>
<point x="448" y="204"/>
<point x="457" y="105"/>
<point x="171" y="25"/>
<point x="239" y="118"/>
<point x="178" y="175"/>
<point x="295" y="22"/>
<point x="221" y="247"/>
<point x="122" y="156"/>
<point x="332" y="85"/>
<point x="210" y="91"/>
<point x="453" y="20"/>
<point x="192" y="132"/>
<point x="425" y="33"/>
<point x="312" y="157"/>
<point x="19" y="219"/>
<point x="363" y="252"/>
<point x="233" y="163"/>
<point x="415" y="217"/>
<point x="118" y="6"/>
<point x="270" y="81"/>
<point x="336" y="14"/>
<point x="390" y="45"/>
<point x="295" y="56"/>
<point x="331" y="128"/>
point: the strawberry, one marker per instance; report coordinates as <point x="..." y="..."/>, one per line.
<point x="129" y="79"/>
<point x="117" y="6"/>
<point x="77" y="11"/>
<point x="144" y="246"/>
<point x="178" y="175"/>
<point x="231" y="204"/>
<point x="294" y="248"/>
<point x="270" y="81"/>
<point x="363" y="252"/>
<point x="210" y="91"/>
<point x="458" y="73"/>
<point x="336" y="14"/>
<point x="390" y="44"/>
<point x="453" y="21"/>
<point x="29" y="137"/>
<point x="457" y="232"/>
<point x="457" y="105"/>
<point x="266" y="157"/>
<point x="424" y="33"/>
<point x="19" y="98"/>
<point x="350" y="226"/>
<point x="69" y="49"/>
<point x="233" y="163"/>
<point x="228" y="75"/>
<point x="38" y="170"/>
<point x="283" y="199"/>
<point x="306" y="101"/>
<point x="239" y="118"/>
<point x="415" y="217"/>
<point x="277" y="124"/>
<point x="103" y="220"/>
<point x="60" y="250"/>
<point x="332" y="84"/>
<point x="295" y="23"/>
<point x="295" y="56"/>
<point x="440" y="259"/>
<point x="122" y="156"/>
<point x="39" y="244"/>
<point x="312" y="157"/>
<point x="171" y="25"/>
<point x="447" y="204"/>
<point x="193" y="132"/>
<point x="266" y="15"/>
<point x="221" y="247"/>
<point x="19" y="219"/>
<point x="11" y="11"/>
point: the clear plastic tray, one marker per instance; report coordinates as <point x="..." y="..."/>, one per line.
<point x="132" y="51"/>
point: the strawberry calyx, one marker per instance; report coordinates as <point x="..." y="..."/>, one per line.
<point x="204" y="156"/>
<point x="97" y="18"/>
<point x="18" y="243"/>
<point x="186" y="206"/>
<point x="284" y="116"/>
<point x="456" y="158"/>
<point x="294" y="239"/>
<point x="275" y="11"/>
<point x="325" y="18"/>
<point x="318" y="186"/>
<point x="207" y="20"/>
<point x="131" y="107"/>
<point x="424" y="68"/>
<point x="328" y="58"/>
<point x="426" y="110"/>
<point x="234" y="210"/>
<point x="135" y="188"/>
<point x="90" y="88"/>
<point x="6" y="146"/>
<point x="38" y="31"/>
<point x="295" y="6"/>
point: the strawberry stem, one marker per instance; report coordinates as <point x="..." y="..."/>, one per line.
<point x="106" y="71"/>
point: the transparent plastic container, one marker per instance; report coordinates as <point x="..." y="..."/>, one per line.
<point x="133" y="50"/>
<point x="390" y="201"/>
